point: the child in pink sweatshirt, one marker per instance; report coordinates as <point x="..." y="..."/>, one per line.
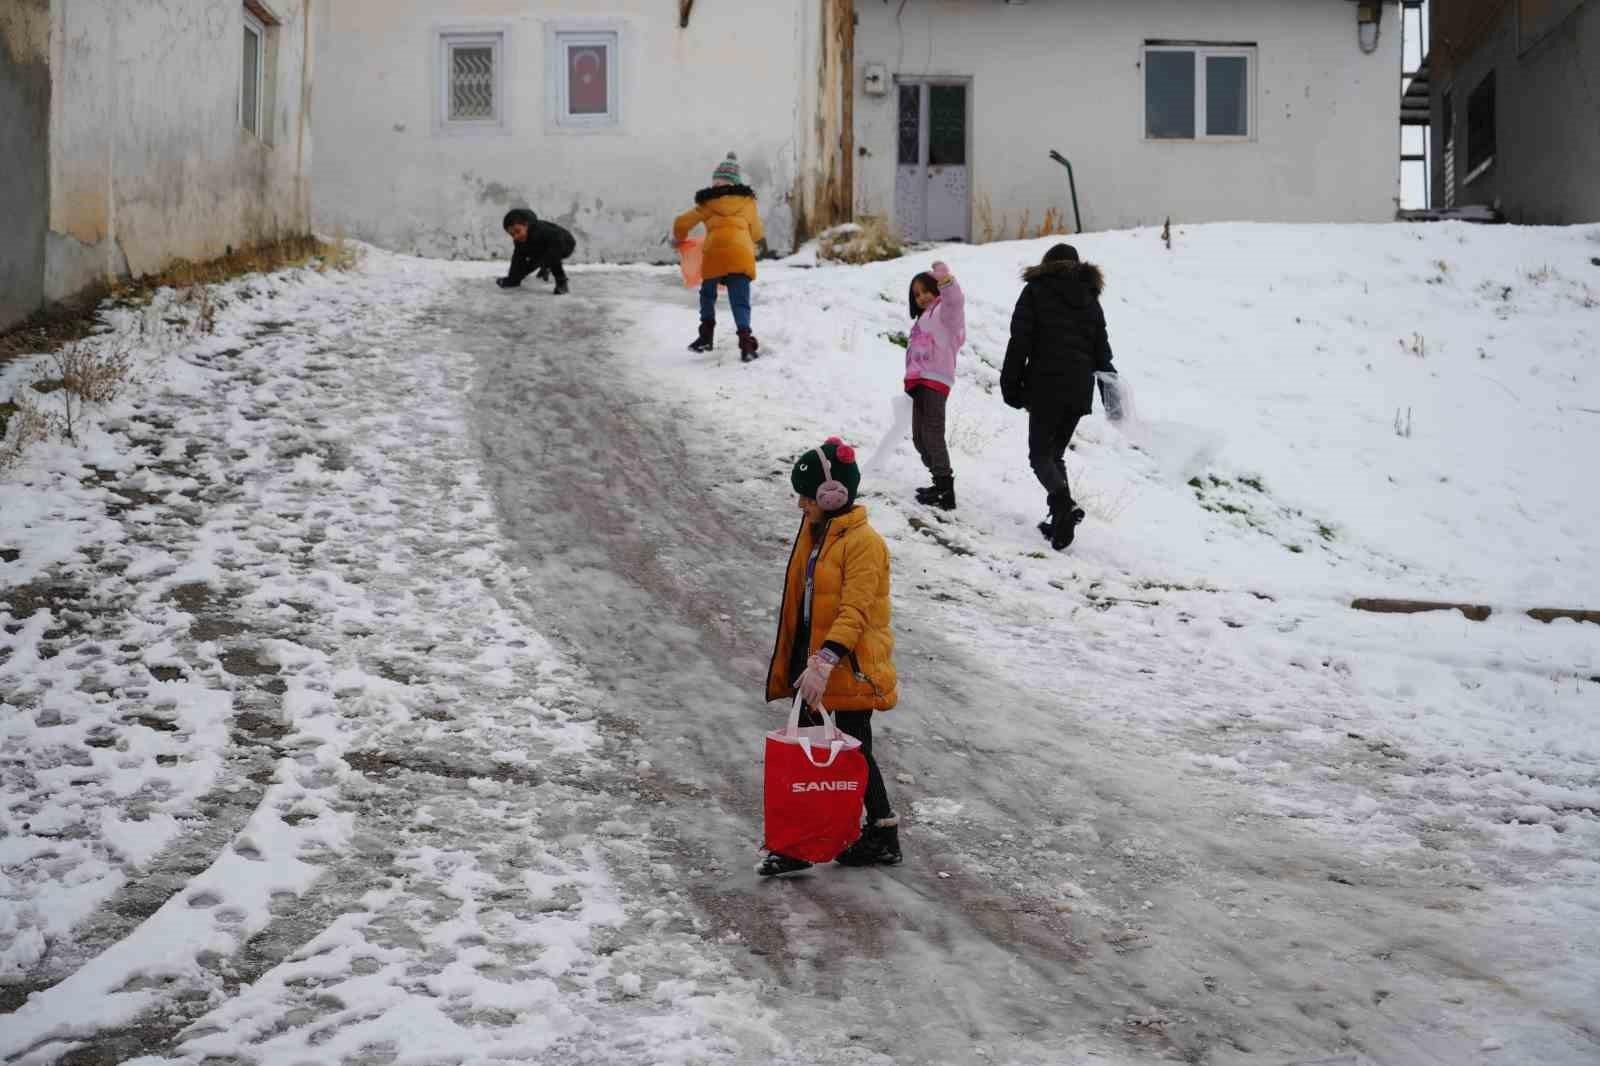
<point x="939" y="311"/>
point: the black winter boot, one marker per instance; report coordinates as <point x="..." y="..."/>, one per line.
<point x="927" y="493"/>
<point x="748" y="347"/>
<point x="943" y="495"/>
<point x="1064" y="518"/>
<point x="879" y="845"/>
<point x="775" y="865"/>
<point x="702" y="343"/>
<point x="561" y="287"/>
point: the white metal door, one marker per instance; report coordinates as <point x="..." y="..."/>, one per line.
<point x="933" y="197"/>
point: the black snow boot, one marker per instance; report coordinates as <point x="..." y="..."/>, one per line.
<point x="748" y="347"/>
<point x="879" y="845"/>
<point x="943" y="495"/>
<point x="1063" y="523"/>
<point x="702" y="343"/>
<point x="561" y="287"/>
<point x="775" y="865"/>
<point x="927" y="493"/>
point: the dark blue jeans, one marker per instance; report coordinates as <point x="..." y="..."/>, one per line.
<point x="738" y="298"/>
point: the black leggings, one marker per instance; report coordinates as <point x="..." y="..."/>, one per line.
<point x="1049" y="433"/>
<point x="859" y="725"/>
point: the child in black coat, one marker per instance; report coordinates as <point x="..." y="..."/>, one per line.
<point x="1058" y="347"/>
<point x="538" y="248"/>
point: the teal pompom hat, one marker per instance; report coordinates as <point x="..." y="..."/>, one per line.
<point x="728" y="171"/>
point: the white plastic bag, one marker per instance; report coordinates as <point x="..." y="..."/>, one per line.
<point x="899" y="429"/>
<point x="1115" y="397"/>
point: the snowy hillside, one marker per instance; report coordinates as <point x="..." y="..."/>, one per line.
<point x="379" y="680"/>
<point x="1274" y="361"/>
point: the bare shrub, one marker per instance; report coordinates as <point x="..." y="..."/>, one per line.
<point x="22" y="425"/>
<point x="205" y="309"/>
<point x="82" y="375"/>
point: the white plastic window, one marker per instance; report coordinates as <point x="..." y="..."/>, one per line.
<point x="584" y="78"/>
<point x="1199" y="93"/>
<point x="250" y="78"/>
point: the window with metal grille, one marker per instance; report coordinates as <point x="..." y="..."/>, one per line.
<point x="1198" y="92"/>
<point x="471" y="83"/>
<point x="471" y="90"/>
<point x="250" y="93"/>
<point x="1480" y="127"/>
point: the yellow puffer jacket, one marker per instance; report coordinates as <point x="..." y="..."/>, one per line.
<point x="849" y="606"/>
<point x="733" y="227"/>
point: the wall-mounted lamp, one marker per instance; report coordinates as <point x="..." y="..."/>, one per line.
<point x="1369" y="24"/>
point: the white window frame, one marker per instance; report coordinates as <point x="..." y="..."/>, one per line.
<point x="259" y="28"/>
<point x="559" y="37"/>
<point x="1248" y="52"/>
<point x="449" y="39"/>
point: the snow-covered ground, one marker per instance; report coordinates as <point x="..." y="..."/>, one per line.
<point x="378" y="679"/>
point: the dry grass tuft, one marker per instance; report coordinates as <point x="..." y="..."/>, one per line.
<point x="870" y="239"/>
<point x="990" y="228"/>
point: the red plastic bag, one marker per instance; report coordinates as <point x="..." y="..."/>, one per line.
<point x="690" y="256"/>
<point x="816" y="782"/>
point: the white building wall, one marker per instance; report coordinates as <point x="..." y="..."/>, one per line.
<point x="148" y="159"/>
<point x="386" y="173"/>
<point x="1069" y="76"/>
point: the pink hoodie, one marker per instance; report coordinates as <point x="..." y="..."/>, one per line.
<point x="937" y="336"/>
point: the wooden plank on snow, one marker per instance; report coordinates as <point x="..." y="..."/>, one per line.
<point x="1382" y="605"/>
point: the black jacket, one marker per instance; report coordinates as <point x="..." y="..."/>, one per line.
<point x="1058" y="339"/>
<point x="547" y="245"/>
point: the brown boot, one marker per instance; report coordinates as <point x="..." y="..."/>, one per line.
<point x="749" y="348"/>
<point x="702" y="343"/>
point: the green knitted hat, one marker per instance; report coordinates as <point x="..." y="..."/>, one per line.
<point x="809" y="474"/>
<point x="728" y="171"/>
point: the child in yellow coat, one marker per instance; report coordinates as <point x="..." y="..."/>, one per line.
<point x="733" y="229"/>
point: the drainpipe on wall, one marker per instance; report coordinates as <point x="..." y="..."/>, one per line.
<point x="301" y="178"/>
<point x="1072" y="184"/>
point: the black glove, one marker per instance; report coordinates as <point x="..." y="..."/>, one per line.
<point x="506" y="283"/>
<point x="1012" y="399"/>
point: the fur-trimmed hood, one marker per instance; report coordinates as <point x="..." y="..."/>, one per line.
<point x="718" y="191"/>
<point x="1083" y="274"/>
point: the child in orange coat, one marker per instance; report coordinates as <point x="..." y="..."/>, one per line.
<point x="733" y="229"/>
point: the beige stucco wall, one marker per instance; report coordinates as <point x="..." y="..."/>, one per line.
<point x="148" y="159"/>
<point x="386" y="172"/>
<point x="1069" y="76"/>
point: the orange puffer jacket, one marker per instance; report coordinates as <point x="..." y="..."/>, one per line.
<point x="849" y="606"/>
<point x="733" y="229"/>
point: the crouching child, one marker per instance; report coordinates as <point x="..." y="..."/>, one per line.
<point x="538" y="248"/>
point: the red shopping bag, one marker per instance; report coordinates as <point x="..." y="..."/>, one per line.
<point x="816" y="780"/>
<point x="690" y="256"/>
